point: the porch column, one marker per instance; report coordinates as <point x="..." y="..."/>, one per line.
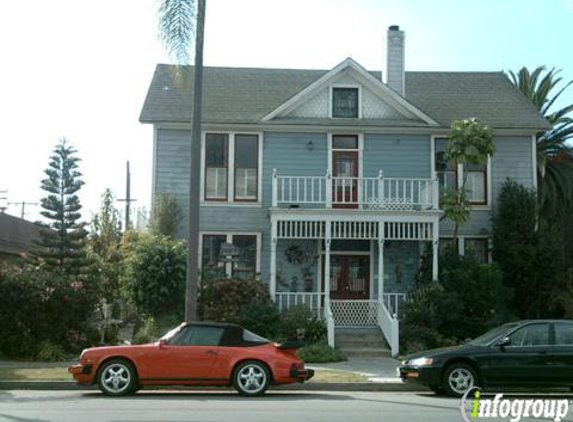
<point x="381" y="263"/>
<point x="327" y="264"/>
<point x="273" y="242"/>
<point x="435" y="249"/>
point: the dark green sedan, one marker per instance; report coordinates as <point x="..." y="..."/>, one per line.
<point x="520" y="354"/>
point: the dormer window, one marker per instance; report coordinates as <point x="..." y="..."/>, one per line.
<point x="345" y="102"/>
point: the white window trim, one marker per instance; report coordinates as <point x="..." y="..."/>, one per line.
<point x="231" y="170"/>
<point x="229" y="235"/>
<point x="331" y="88"/>
<point x="486" y="207"/>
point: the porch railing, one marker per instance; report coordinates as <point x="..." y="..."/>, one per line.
<point x="390" y="328"/>
<point x="287" y="300"/>
<point x="375" y="193"/>
<point x="393" y="303"/>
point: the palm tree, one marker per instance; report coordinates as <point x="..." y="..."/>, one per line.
<point x="554" y="156"/>
<point x="179" y="21"/>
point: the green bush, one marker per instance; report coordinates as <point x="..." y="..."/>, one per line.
<point x="50" y="352"/>
<point x="155" y="275"/>
<point x="148" y="332"/>
<point x="302" y="318"/>
<point x="244" y="302"/>
<point x="320" y="353"/>
<point x="36" y="306"/>
<point x="461" y="305"/>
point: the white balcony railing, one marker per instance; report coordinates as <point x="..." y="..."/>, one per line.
<point x="375" y="193"/>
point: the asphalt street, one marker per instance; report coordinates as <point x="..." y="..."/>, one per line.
<point x="220" y="406"/>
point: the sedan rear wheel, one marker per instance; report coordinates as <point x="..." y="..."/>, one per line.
<point x="459" y="378"/>
<point x="251" y="378"/>
<point x="117" y="378"/>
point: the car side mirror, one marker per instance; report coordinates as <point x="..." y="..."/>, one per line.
<point x="162" y="343"/>
<point x="504" y="342"/>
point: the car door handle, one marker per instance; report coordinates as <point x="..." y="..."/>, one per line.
<point x="212" y="352"/>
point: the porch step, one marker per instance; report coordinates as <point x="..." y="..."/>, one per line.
<point x="361" y="342"/>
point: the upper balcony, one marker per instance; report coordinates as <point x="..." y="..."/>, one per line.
<point x="360" y="193"/>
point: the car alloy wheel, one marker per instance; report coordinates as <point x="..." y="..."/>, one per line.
<point x="459" y="379"/>
<point x="117" y="378"/>
<point x="251" y="378"/>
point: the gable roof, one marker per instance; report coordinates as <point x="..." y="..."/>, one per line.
<point x="366" y="77"/>
<point x="247" y="95"/>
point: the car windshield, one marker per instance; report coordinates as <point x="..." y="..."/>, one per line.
<point x="490" y="336"/>
<point x="171" y="332"/>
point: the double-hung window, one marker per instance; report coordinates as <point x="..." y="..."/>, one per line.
<point x="246" y="167"/>
<point x="446" y="170"/>
<point x="216" y="166"/>
<point x="230" y="255"/>
<point x="231" y="167"/>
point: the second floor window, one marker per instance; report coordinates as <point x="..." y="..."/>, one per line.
<point x="446" y="170"/>
<point x="345" y="102"/>
<point x="231" y="168"/>
<point x="216" y="166"/>
<point x="246" y="167"/>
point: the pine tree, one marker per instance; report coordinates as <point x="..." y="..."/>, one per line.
<point x="62" y="242"/>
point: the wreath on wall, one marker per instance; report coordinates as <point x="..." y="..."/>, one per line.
<point x="295" y="255"/>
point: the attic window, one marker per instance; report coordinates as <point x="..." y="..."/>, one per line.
<point x="345" y="102"/>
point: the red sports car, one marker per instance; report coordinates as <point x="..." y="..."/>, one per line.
<point x="199" y="354"/>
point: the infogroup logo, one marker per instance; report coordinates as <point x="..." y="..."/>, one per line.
<point x="474" y="406"/>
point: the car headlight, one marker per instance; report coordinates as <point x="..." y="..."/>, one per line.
<point x="421" y="362"/>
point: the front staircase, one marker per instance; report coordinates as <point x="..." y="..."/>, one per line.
<point x="361" y="343"/>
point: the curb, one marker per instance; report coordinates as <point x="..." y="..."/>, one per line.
<point x="318" y="386"/>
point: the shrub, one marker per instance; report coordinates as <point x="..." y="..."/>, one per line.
<point x="50" y="352"/>
<point x="460" y="306"/>
<point x="244" y="302"/>
<point x="155" y="275"/>
<point x="148" y="332"/>
<point x="302" y="318"/>
<point x="320" y="353"/>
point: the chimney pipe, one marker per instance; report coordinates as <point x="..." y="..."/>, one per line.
<point x="395" y="77"/>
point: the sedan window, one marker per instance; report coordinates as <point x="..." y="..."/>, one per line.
<point x="531" y="335"/>
<point x="198" y="336"/>
<point x="563" y="334"/>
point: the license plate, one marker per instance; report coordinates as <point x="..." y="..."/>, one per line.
<point x="412" y="374"/>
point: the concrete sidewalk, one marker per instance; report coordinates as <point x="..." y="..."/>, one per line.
<point x="378" y="370"/>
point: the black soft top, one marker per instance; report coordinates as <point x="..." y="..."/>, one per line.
<point x="234" y="335"/>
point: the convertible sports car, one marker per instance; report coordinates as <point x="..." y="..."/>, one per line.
<point x="522" y="354"/>
<point x="198" y="354"/>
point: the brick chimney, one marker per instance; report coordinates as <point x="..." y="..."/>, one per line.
<point x="395" y="78"/>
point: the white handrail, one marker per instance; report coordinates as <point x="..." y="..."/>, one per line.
<point x="390" y="328"/>
<point x="370" y="192"/>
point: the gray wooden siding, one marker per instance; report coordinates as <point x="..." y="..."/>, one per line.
<point x="512" y="160"/>
<point x="397" y="155"/>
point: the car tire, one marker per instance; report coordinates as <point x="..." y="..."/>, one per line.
<point x="459" y="378"/>
<point x="117" y="377"/>
<point x="251" y="378"/>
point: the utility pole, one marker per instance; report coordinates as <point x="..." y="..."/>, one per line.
<point x="23" y="206"/>
<point x="127" y="198"/>
<point x="3" y="198"/>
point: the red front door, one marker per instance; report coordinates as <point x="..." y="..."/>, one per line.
<point x="349" y="277"/>
<point x="345" y="179"/>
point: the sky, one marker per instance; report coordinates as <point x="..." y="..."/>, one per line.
<point x="80" y="70"/>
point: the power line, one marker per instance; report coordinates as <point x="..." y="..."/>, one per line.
<point x="23" y="206"/>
